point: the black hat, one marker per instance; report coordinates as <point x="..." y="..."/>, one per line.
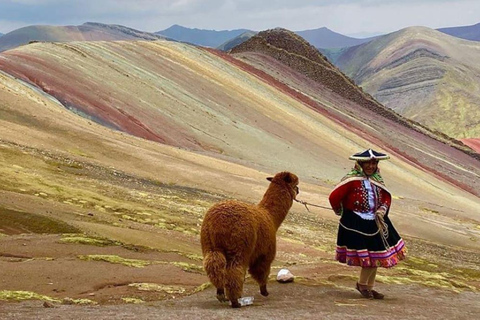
<point x="368" y="155"/>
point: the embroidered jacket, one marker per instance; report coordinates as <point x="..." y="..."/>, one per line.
<point x="362" y="195"/>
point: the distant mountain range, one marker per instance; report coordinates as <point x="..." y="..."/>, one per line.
<point x="331" y="43"/>
<point x="467" y="32"/>
<point x="323" y="38"/>
<point x="201" y="37"/>
<point x="225" y="40"/>
<point x="89" y="31"/>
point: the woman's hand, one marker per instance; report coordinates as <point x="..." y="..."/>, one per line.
<point x="338" y="211"/>
<point x="381" y="212"/>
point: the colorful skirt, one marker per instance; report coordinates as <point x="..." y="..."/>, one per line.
<point x="360" y="244"/>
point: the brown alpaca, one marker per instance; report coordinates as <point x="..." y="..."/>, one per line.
<point x="236" y="236"/>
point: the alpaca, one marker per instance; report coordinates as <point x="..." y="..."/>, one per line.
<point x="236" y="235"/>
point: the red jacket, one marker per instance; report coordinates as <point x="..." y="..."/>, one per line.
<point x="351" y="194"/>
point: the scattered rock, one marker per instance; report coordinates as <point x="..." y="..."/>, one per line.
<point x="284" y="276"/>
<point x="47" y="304"/>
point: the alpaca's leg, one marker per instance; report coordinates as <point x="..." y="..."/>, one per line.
<point x="235" y="275"/>
<point x="221" y="295"/>
<point x="260" y="270"/>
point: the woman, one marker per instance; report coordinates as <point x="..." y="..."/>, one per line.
<point x="366" y="236"/>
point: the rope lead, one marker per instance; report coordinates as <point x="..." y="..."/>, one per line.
<point x="313" y="205"/>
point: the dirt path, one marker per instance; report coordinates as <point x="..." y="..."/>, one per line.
<point x="286" y="301"/>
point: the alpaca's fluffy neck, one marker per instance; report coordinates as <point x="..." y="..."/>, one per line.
<point x="277" y="200"/>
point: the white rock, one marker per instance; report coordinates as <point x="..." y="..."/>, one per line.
<point x="284" y="276"/>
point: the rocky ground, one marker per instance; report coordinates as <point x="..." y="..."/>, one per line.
<point x="166" y="290"/>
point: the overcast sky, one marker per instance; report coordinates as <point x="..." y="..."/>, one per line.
<point x="348" y="17"/>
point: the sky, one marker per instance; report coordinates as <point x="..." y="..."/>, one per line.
<point x="357" y="18"/>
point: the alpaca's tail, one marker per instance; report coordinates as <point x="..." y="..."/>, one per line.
<point x="214" y="263"/>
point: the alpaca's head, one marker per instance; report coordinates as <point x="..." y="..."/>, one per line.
<point x="287" y="179"/>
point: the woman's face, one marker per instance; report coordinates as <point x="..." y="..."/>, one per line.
<point x="369" y="167"/>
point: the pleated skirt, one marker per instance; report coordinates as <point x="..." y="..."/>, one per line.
<point x="360" y="243"/>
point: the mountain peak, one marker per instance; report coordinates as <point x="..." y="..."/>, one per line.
<point x="282" y="39"/>
<point x="321" y="29"/>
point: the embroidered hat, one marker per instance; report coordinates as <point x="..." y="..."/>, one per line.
<point x="368" y="155"/>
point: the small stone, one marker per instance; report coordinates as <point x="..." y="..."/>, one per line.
<point x="284" y="276"/>
<point x="47" y="304"/>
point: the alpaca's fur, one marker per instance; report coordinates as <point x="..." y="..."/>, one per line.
<point x="236" y="236"/>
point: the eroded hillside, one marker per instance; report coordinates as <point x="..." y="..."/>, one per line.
<point x="289" y="60"/>
<point x="423" y="74"/>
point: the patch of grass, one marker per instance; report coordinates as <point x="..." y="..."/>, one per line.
<point x="429" y="280"/>
<point x="429" y="210"/>
<point x="469" y="274"/>
<point x="24" y="222"/>
<point x="136" y="263"/>
<point x="64" y="164"/>
<point x="158" y="288"/>
<point x="191" y="256"/>
<point x="202" y="287"/>
<point x="420" y="264"/>
<point x="415" y="263"/>
<point x="78" y="301"/>
<point x="188" y="267"/>
<point x="79" y="153"/>
<point x="132" y="300"/>
<point x="420" y="271"/>
<point x="83" y="239"/>
<point x="24" y="295"/>
<point x="116" y="260"/>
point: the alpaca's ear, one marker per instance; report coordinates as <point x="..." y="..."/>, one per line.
<point x="270" y="178"/>
<point x="288" y="178"/>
